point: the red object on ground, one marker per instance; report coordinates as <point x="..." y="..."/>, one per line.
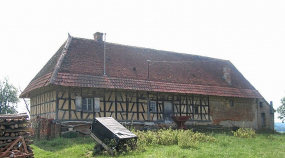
<point x="180" y="120"/>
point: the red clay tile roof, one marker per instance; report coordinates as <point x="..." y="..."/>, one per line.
<point x="127" y="68"/>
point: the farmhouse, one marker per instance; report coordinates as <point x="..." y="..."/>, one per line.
<point x="89" y="78"/>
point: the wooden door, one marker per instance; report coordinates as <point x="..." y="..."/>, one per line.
<point x="168" y="110"/>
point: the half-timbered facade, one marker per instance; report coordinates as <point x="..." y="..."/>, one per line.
<point x="143" y="85"/>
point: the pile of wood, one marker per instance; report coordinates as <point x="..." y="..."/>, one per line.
<point x="14" y="135"/>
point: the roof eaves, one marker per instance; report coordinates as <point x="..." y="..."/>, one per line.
<point x="60" y="60"/>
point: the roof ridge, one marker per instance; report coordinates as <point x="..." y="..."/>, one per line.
<point x="152" y="49"/>
<point x="60" y="60"/>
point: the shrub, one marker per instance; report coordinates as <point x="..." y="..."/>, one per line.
<point x="146" y="138"/>
<point x="185" y="139"/>
<point x="182" y="138"/>
<point x="167" y="137"/>
<point x="70" y="134"/>
<point x="245" y="133"/>
<point x="189" y="139"/>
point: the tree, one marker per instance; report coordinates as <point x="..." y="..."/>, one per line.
<point x="8" y="98"/>
<point x="27" y="102"/>
<point x="281" y="110"/>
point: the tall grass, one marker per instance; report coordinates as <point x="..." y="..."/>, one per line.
<point x="182" y="138"/>
<point x="174" y="143"/>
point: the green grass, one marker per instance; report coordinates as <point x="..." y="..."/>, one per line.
<point x="224" y="145"/>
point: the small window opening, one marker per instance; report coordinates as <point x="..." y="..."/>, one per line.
<point x="196" y="109"/>
<point x="262" y="119"/>
<point x="232" y="103"/>
<point x="152" y="106"/>
<point x="261" y="104"/>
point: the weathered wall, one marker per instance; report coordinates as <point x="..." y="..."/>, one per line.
<point x="267" y="110"/>
<point x="123" y="105"/>
<point x="43" y="103"/>
<point x="252" y="113"/>
<point x="127" y="105"/>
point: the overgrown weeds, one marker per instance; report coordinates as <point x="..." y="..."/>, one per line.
<point x="166" y="137"/>
<point x="182" y="138"/>
<point x="245" y="133"/>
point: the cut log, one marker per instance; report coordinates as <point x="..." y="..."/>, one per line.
<point x="22" y="133"/>
<point x="22" y="125"/>
<point x="13" y="134"/>
<point x="8" y="120"/>
<point x="2" y="127"/>
<point x="12" y="126"/>
<point x="18" y="130"/>
<point x="16" y="125"/>
<point x="6" y="134"/>
<point x="14" y="116"/>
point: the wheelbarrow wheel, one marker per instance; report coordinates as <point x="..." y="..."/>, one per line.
<point x="98" y="149"/>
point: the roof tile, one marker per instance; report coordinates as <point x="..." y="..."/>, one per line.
<point x="127" y="68"/>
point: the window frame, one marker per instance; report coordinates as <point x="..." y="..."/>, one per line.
<point x="232" y="103"/>
<point x="152" y="106"/>
<point x="87" y="105"/>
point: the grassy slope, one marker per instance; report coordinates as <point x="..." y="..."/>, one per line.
<point x="226" y="145"/>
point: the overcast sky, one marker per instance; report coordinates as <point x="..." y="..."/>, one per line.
<point x="251" y="34"/>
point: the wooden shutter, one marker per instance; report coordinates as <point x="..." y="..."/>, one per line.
<point x="97" y="104"/>
<point x="78" y="103"/>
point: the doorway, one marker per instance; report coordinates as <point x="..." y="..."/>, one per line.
<point x="168" y="111"/>
<point x="262" y="119"/>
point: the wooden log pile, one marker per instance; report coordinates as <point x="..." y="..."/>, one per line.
<point x="15" y="135"/>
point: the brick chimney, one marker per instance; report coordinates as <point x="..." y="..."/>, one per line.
<point x="227" y="75"/>
<point x="98" y="37"/>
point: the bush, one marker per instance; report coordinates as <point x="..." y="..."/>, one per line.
<point x="167" y="137"/>
<point x="70" y="134"/>
<point x="189" y="139"/>
<point x="182" y="138"/>
<point x="245" y="133"/>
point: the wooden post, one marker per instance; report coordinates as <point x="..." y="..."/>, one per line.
<point x="173" y="104"/>
<point x="148" y="115"/>
<point x="69" y="104"/>
<point x="81" y="112"/>
<point x="127" y="106"/>
<point x="116" y="106"/>
<point x="193" y="104"/>
<point x="187" y="106"/>
<point x="104" y="100"/>
<point x="200" y="97"/>
<point x="157" y="106"/>
<point x="180" y="104"/>
<point x="137" y="102"/>
<point x="208" y="108"/>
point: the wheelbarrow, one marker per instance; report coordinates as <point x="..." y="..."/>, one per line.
<point x="180" y="121"/>
<point x="105" y="129"/>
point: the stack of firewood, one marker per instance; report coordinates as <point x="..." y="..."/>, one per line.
<point x="14" y="134"/>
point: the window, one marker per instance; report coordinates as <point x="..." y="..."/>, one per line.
<point x="195" y="109"/>
<point x="87" y="104"/>
<point x="260" y="104"/>
<point x="152" y="106"/>
<point x="262" y="119"/>
<point x="232" y="103"/>
<point x="97" y="104"/>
